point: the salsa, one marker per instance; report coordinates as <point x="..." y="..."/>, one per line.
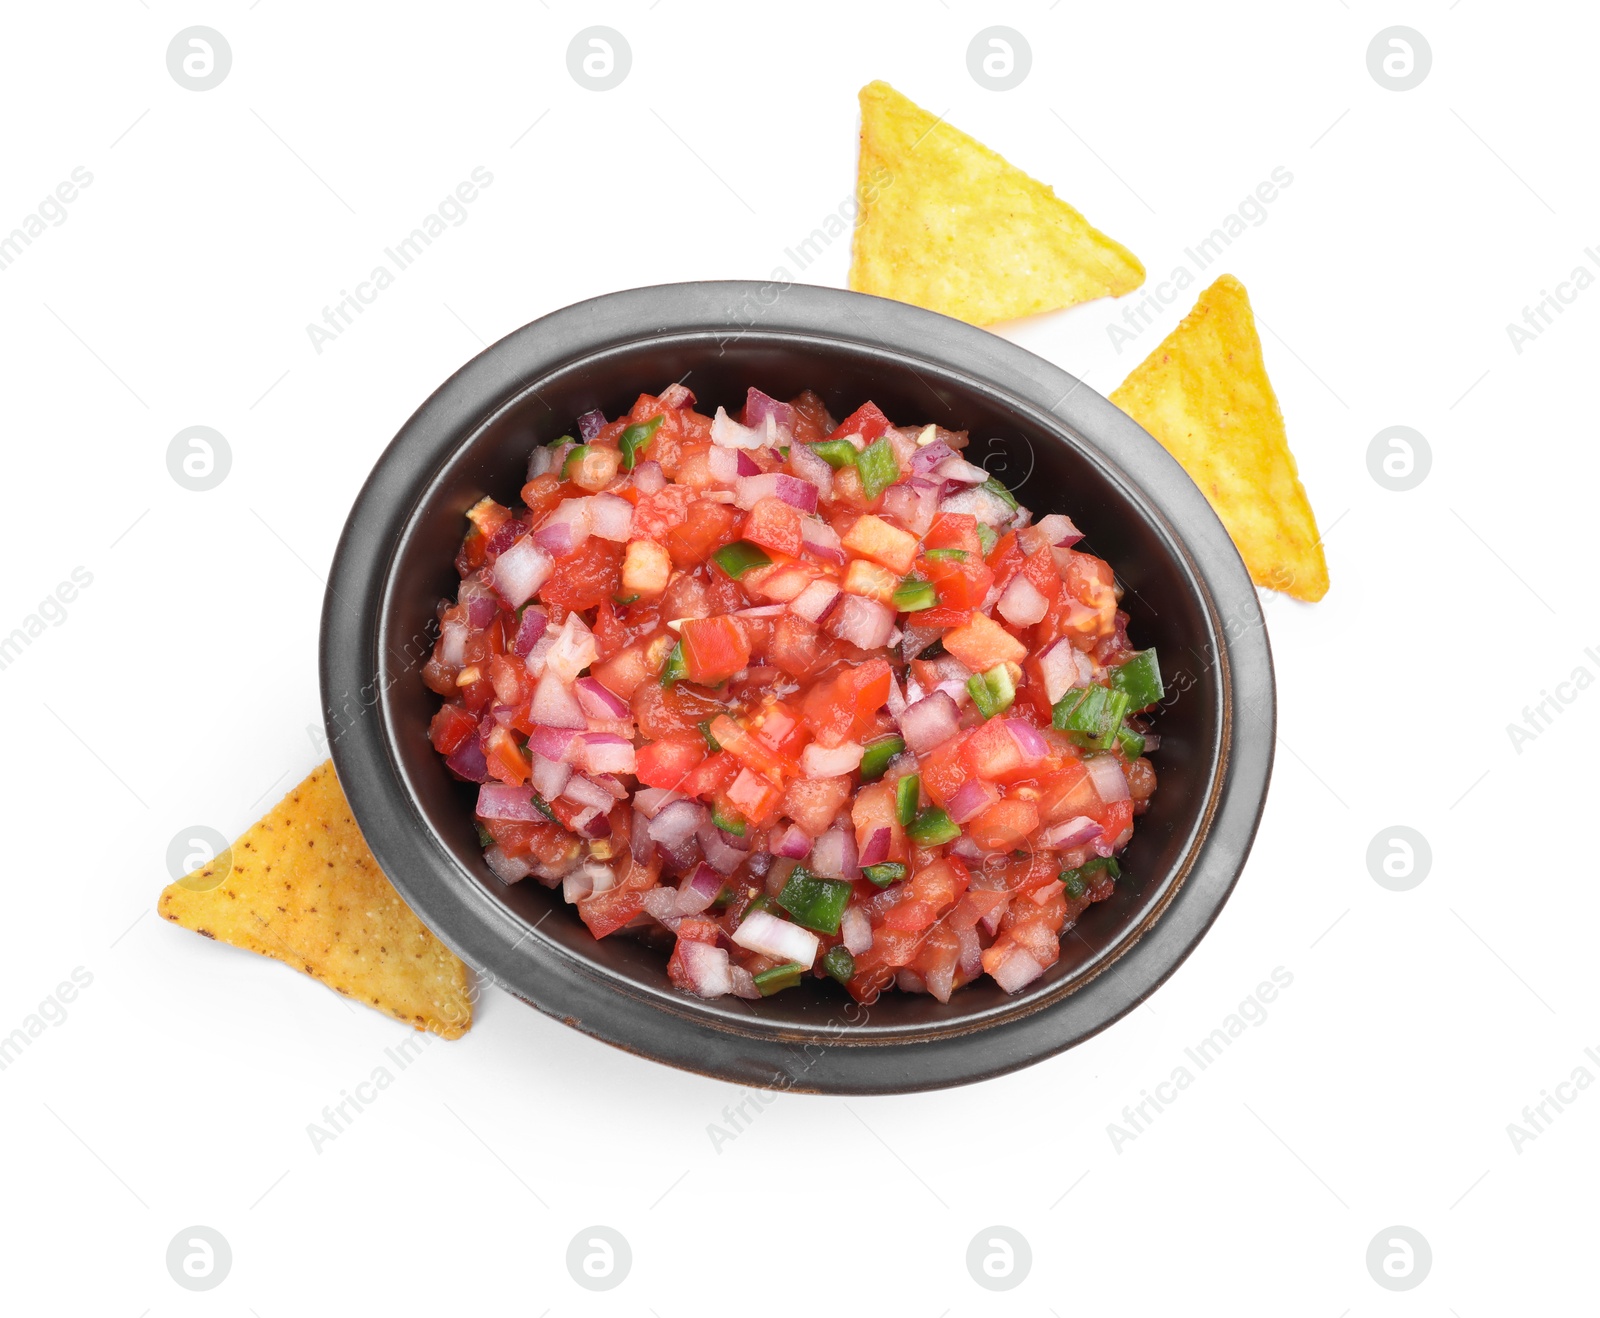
<point x="806" y="698"/>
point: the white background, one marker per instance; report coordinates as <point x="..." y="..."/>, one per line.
<point x="182" y="683"/>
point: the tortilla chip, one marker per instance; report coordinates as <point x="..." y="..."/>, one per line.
<point x="1205" y="395"/>
<point x="945" y="223"/>
<point x="302" y="887"/>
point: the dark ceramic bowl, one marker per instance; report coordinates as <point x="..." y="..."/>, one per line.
<point x="1061" y="446"/>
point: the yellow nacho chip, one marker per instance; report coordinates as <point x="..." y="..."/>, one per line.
<point x="1205" y="395"/>
<point x="945" y="223"/>
<point x="302" y="887"/>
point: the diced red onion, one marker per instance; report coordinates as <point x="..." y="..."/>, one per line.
<point x="529" y="630"/>
<point x="591" y="424"/>
<point x="676" y="823"/>
<point x="604" y="752"/>
<point x="467" y="761"/>
<point x="877" y="849"/>
<point x="728" y="433"/>
<point x="928" y="457"/>
<point x="791" y="841"/>
<point x="815" y="600"/>
<point x="662" y="904"/>
<point x="1017" y="969"/>
<point x="479" y="597"/>
<point x="896" y="704"/>
<point x="677" y="397"/>
<point x="746" y="465"/>
<point x="707" y="968"/>
<point x="990" y="509"/>
<point x="763" y="932"/>
<point x="566" y="528"/>
<point x="698" y="890"/>
<point x="833" y="855"/>
<point x="1030" y="741"/>
<point x="1070" y="833"/>
<point x="540" y="461"/>
<point x="453" y="643"/>
<point x="650" y="801"/>
<point x="503" y="801"/>
<point x="580" y="791"/>
<point x="862" y="622"/>
<point x="597" y="701"/>
<point x="611" y="782"/>
<point x="649" y="478"/>
<point x="639" y="840"/>
<point x="972" y="798"/>
<point x="1021" y="604"/>
<point x="820" y="539"/>
<point x="855" y="928"/>
<point x="1060" y="667"/>
<point x="592" y="822"/>
<point x="759" y="406"/>
<point x="551" y="743"/>
<point x="809" y="467"/>
<point x="555" y="706"/>
<point x="723" y="464"/>
<point x="830" y="762"/>
<point x="508" y="869"/>
<point x="611" y="518"/>
<point x="520" y="571"/>
<point x="550" y="777"/>
<point x="718" y="849"/>
<point x="930" y="722"/>
<point x="1106" y="774"/>
<point x="776" y="484"/>
<point x="1050" y="532"/>
<point x="744" y="983"/>
<point x="959" y="469"/>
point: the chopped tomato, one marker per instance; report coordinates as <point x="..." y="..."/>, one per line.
<point x="866" y="421"/>
<point x="845" y="709"/>
<point x="505" y="760"/>
<point x="585" y="577"/>
<point x="450" y="728"/>
<point x="775" y="525"/>
<point x="961" y="583"/>
<point x="666" y="763"/>
<point x="753" y="796"/>
<point x="705" y="527"/>
<point x="1004" y="825"/>
<point x="711" y="775"/>
<point x="713" y="649"/>
<point x="954" y="531"/>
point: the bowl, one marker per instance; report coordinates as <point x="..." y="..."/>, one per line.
<point x="1057" y="443"/>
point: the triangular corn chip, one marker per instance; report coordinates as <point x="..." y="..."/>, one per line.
<point x="302" y="887"/>
<point x="1205" y="395"/>
<point x="945" y="223"/>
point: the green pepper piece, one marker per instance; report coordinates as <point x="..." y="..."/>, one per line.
<point x="876" y="756"/>
<point x="1131" y="742"/>
<point x="839" y="964"/>
<point x="675" y="667"/>
<point x="1077" y="880"/>
<point x="1140" y="679"/>
<point x="835" y="452"/>
<point x="813" y="901"/>
<point x="779" y="978"/>
<point x="760" y="902"/>
<point x="634" y="438"/>
<point x="885" y="874"/>
<point x="878" y="467"/>
<point x="907" y="792"/>
<point x="913" y="595"/>
<point x="1091" y="715"/>
<point x="723" y="898"/>
<point x="932" y="827"/>
<point x="988" y="537"/>
<point x="712" y="744"/>
<point x="560" y="439"/>
<point x="944" y="555"/>
<point x="739" y="556"/>
<point x="1000" y="492"/>
<point x="624" y="600"/>
<point x="485" y="837"/>
<point x="543" y="807"/>
<point x="726" y="822"/>
<point x="992" y="692"/>
<point x="576" y="455"/>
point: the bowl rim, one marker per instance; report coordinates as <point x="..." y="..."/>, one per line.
<point x="711" y="1039"/>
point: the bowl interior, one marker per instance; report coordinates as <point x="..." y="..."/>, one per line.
<point x="1051" y="470"/>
